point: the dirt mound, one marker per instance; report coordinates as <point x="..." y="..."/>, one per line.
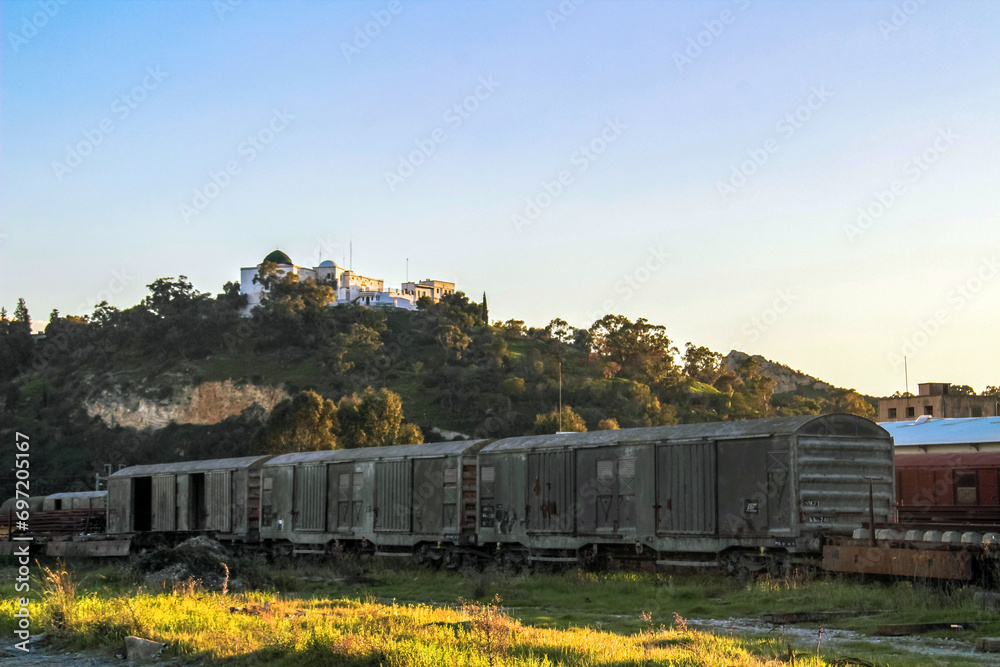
<point x="199" y="559"/>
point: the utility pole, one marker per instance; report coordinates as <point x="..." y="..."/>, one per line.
<point x="560" y="392"/>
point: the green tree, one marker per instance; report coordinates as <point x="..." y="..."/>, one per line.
<point x="701" y="364"/>
<point x="642" y="349"/>
<point x="609" y="424"/>
<point x="991" y="390"/>
<point x="21" y="313"/>
<point x="851" y="402"/>
<point x="485" y="311"/>
<point x="374" y="419"/>
<point x="962" y="390"/>
<point x="306" y="422"/>
<point x="550" y="422"/>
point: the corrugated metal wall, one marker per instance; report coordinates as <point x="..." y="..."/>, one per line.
<point x="392" y="496"/>
<point x="119" y="505"/>
<point x="218" y="501"/>
<point x="686" y="493"/>
<point x="310" y="497"/>
<point x="164" y="503"/>
<point x="428" y="490"/>
<point x="833" y="481"/>
<point x="550" y="492"/>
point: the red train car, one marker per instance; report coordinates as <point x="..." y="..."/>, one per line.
<point x="953" y="488"/>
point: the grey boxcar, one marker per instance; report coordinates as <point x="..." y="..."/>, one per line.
<point x="685" y="495"/>
<point x="77" y="500"/>
<point x="392" y="499"/>
<point x="219" y="496"/>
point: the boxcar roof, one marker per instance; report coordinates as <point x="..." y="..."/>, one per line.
<point x="821" y="425"/>
<point x="78" y="494"/>
<point x="190" y="466"/>
<point x="432" y="449"/>
<point x="944" y="431"/>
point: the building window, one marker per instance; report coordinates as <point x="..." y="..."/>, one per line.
<point x="892" y="413"/>
<point x="977" y="411"/>
<point x="928" y="409"/>
<point x="910" y="412"/>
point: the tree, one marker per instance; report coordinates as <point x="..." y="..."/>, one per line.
<point x="642" y="349"/>
<point x="991" y="390"/>
<point x="21" y="313"/>
<point x="609" y="424"/>
<point x="550" y="422"/>
<point x="701" y="364"/>
<point x="485" y="311"/>
<point x="851" y="402"/>
<point x="374" y="419"/>
<point x="962" y="390"/>
<point x="305" y="423"/>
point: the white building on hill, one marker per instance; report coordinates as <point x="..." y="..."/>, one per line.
<point x="350" y="287"/>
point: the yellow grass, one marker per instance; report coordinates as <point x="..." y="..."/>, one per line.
<point x="266" y="628"/>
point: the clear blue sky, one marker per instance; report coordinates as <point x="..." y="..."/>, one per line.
<point x="728" y="148"/>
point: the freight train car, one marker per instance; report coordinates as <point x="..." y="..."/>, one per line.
<point x="221" y="497"/>
<point x="401" y="500"/>
<point x="749" y="495"/>
<point x="957" y="488"/>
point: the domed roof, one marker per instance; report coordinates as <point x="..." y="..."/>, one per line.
<point x="327" y="262"/>
<point x="278" y="257"/>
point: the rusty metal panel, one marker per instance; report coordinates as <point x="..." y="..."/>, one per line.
<point x="428" y="495"/>
<point x="218" y="501"/>
<point x="183" y="502"/>
<point x="392" y="496"/>
<point x="240" y="501"/>
<point x="98" y="548"/>
<point x="550" y="492"/>
<point x="164" y="503"/>
<point x="120" y="505"/>
<point x="686" y="495"/>
<point x="310" y="497"/>
<point x="922" y="563"/>
<point x="779" y="486"/>
<point x="345" y="482"/>
<point x="742" y="487"/>
<point x="605" y="479"/>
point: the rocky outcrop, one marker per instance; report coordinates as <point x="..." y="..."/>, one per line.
<point x="786" y="379"/>
<point x="206" y="403"/>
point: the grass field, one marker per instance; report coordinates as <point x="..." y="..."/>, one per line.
<point x="369" y="614"/>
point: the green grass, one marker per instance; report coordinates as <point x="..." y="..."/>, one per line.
<point x="359" y="613"/>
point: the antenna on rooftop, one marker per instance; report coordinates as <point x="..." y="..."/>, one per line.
<point x="350" y="266"/>
<point x="407" y="269"/>
<point x="906" y="376"/>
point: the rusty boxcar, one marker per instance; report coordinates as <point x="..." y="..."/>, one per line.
<point x="219" y="496"/>
<point x="745" y="494"/>
<point x="949" y="488"/>
<point x="395" y="500"/>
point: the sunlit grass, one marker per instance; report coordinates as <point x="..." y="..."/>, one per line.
<point x="358" y="613"/>
<point x="269" y="628"/>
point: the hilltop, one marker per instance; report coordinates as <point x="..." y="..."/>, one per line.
<point x="182" y="375"/>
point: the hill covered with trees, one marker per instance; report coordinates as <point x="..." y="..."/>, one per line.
<point x="348" y="376"/>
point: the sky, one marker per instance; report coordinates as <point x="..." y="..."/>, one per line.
<point x="815" y="182"/>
